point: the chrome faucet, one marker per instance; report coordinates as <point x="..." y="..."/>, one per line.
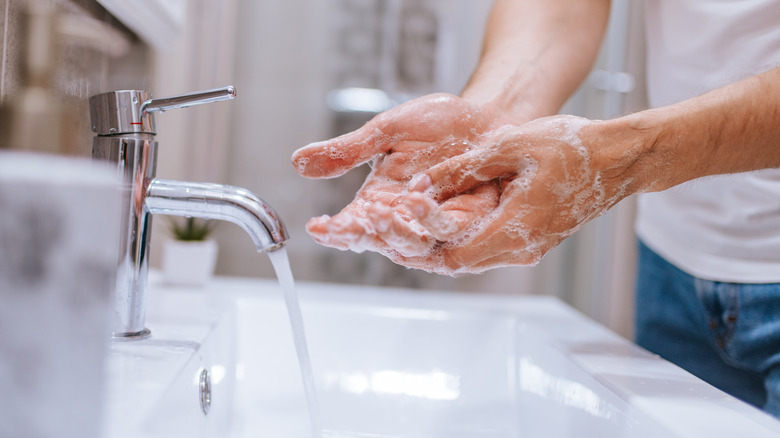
<point x="124" y="124"/>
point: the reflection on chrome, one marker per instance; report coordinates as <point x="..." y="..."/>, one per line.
<point x="537" y="381"/>
<point x="434" y="385"/>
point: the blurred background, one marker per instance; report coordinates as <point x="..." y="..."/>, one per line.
<point x="307" y="70"/>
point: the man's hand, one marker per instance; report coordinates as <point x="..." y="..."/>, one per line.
<point x="556" y="174"/>
<point x="403" y="142"/>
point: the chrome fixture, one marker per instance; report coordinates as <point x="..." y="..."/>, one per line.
<point x="204" y="387"/>
<point x="124" y="124"/>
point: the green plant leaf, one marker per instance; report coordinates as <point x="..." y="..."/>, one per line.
<point x="191" y="229"/>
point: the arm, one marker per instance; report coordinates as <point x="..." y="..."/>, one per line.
<point x="535" y="55"/>
<point x="732" y="129"/>
<point x="536" y="52"/>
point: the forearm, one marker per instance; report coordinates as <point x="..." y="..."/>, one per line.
<point x="732" y="129"/>
<point x="535" y="54"/>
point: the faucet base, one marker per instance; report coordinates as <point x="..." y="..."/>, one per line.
<point x="135" y="336"/>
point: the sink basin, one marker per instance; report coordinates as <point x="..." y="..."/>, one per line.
<point x="399" y="363"/>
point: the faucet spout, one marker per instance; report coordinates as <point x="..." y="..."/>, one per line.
<point x="124" y="123"/>
<point x="221" y="202"/>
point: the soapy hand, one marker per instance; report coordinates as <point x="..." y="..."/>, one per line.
<point x="557" y="173"/>
<point x="402" y="142"/>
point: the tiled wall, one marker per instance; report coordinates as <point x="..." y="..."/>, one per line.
<point x="82" y="69"/>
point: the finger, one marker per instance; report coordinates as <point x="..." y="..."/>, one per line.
<point x="396" y="227"/>
<point x="431" y="262"/>
<point x="463" y="172"/>
<point x="453" y="217"/>
<point x="345" y="232"/>
<point x="504" y="229"/>
<point x="440" y="262"/>
<point x="443" y="225"/>
<point x="334" y="157"/>
<point x="509" y="258"/>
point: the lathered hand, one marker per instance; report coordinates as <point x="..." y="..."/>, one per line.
<point x="557" y="173"/>
<point x="403" y="142"/>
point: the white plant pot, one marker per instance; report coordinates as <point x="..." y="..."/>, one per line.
<point x="189" y="263"/>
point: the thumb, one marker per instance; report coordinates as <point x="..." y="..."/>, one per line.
<point x="334" y="157"/>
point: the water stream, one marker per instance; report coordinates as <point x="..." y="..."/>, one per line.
<point x="283" y="272"/>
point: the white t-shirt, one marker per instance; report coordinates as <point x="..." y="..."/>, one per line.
<point x="723" y="228"/>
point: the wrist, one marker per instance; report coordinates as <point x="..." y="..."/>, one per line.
<point x="632" y="152"/>
<point x="728" y="130"/>
<point x="509" y="99"/>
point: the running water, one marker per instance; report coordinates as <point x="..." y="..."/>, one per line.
<point x="283" y="272"/>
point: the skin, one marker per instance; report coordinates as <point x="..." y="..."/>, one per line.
<point x="523" y="182"/>
<point x="403" y="142"/>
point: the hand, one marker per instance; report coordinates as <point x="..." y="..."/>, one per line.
<point x="557" y="173"/>
<point x="402" y="142"/>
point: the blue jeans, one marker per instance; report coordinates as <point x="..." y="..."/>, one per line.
<point x="727" y="334"/>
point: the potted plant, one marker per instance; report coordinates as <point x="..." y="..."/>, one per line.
<point x="189" y="259"/>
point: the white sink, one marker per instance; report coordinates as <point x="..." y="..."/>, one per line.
<point x="394" y="363"/>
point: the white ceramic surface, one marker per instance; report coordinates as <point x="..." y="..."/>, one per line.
<point x="395" y="363"/>
<point x="153" y="384"/>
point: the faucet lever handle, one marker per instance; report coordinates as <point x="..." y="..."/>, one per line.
<point x="130" y="111"/>
<point x="189" y="99"/>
